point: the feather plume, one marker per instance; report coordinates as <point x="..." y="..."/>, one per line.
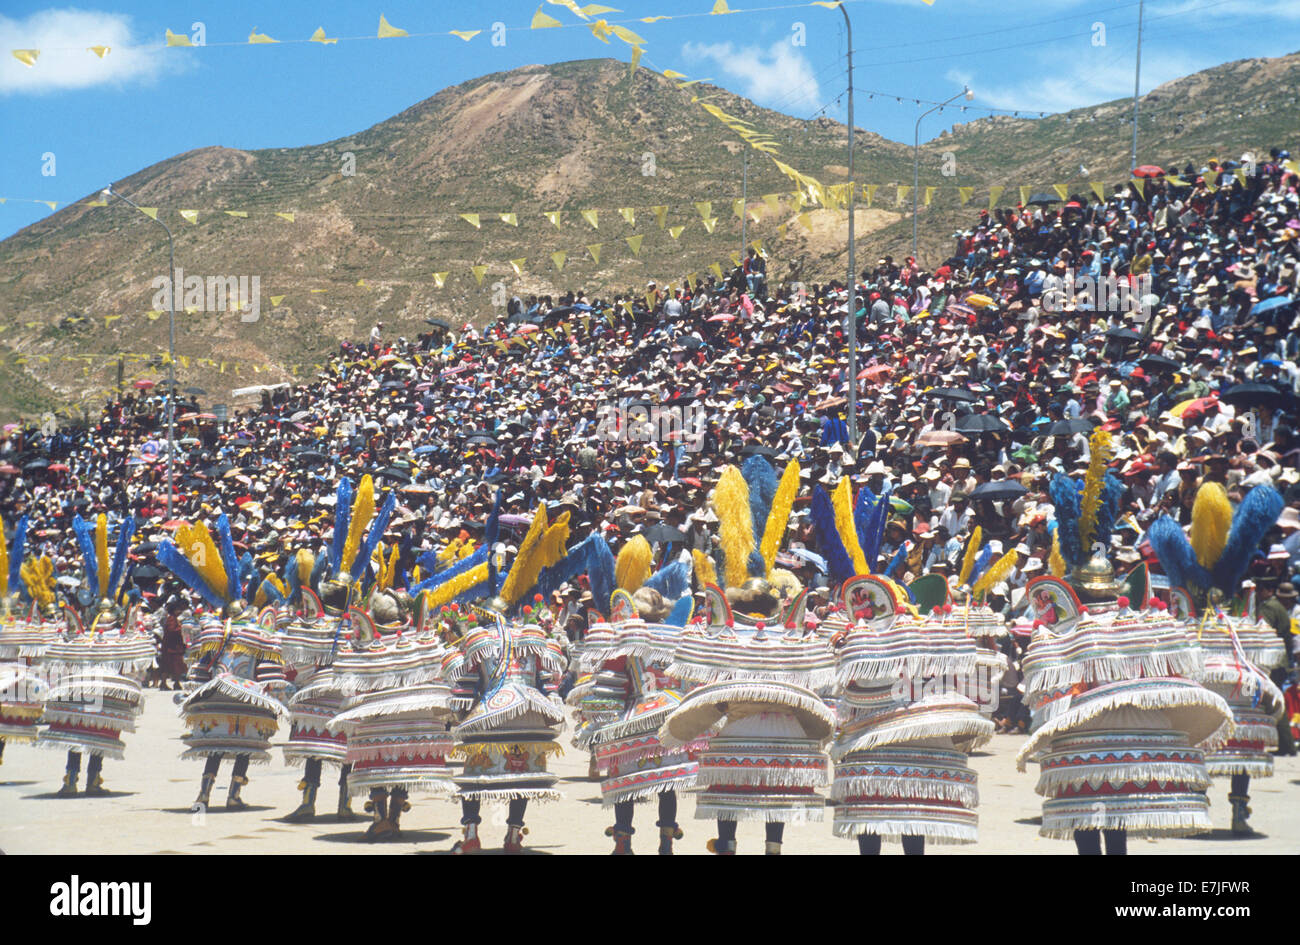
<point x="680" y="615"/>
<point x="458" y="585"/>
<point x="863" y="506"/>
<point x="1065" y="497"/>
<point x="5" y="580"/>
<point x="490" y="532"/>
<point x="1176" y="554"/>
<point x="377" y="528"/>
<point x="633" y="564"/>
<point x="246" y="571"/>
<point x="527" y="564"/>
<point x="968" y="559"/>
<point x="342" y="517"/>
<point x="761" y="480"/>
<point x="839" y="565"/>
<point x="226" y="546"/>
<point x="1112" y="493"/>
<point x="704" y="570"/>
<point x="178" y="564"/>
<point x="672" y="580"/>
<point x="779" y="516"/>
<point x="877" y="517"/>
<point x="37" y="575"/>
<point x="1055" y="563"/>
<point x="124" y="533"/>
<point x="981" y="562"/>
<point x="101" y="553"/>
<point x="363" y="508"/>
<point x="1102" y="446"/>
<point x="1257" y="513"/>
<point x="1211" y="520"/>
<point x="84" y="533"/>
<point x="550" y="551"/>
<point x="899" y="556"/>
<point x="842" y="502"/>
<point x="999" y="572"/>
<point x="736" y="528"/>
<point x="11" y="560"/>
<point x="592" y="557"/>
<point x="320" y="567"/>
<point x="438" y="578"/>
<point x="195" y="543"/>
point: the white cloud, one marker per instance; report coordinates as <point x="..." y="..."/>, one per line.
<point x="779" y="76"/>
<point x="65" y="62"/>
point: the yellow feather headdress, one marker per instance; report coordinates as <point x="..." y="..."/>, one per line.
<point x="779" y="516"/>
<point x="1102" y="447"/>
<point x="632" y="567"/>
<point x="996" y="573"/>
<point x="735" y="523"/>
<point x="972" y="552"/>
<point x="363" y="510"/>
<point x="842" y="502"/>
<point x="1211" y="522"/>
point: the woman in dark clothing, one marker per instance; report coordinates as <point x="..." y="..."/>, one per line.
<point x="171" y="656"/>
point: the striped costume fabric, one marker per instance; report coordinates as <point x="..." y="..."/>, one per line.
<point x="94" y="693"/>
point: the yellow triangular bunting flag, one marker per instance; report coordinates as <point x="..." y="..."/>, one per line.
<point x="870" y="191"/>
<point x="929" y="194"/>
<point x="518" y="265"/>
<point x="256" y="37"/>
<point x="471" y="219"/>
<point x="558" y="258"/>
<point x="705" y="207"/>
<point x="716" y="269"/>
<point x="100" y="51"/>
<point x="27" y="57"/>
<point x="675" y="231"/>
<point x="276" y="300"/>
<point x="590" y="217"/>
<point x="964" y="194"/>
<point x="511" y="218"/>
<point x="773" y="202"/>
<point x="387" y="30"/>
<point x="994" y="194"/>
<point x="191" y="215"/>
<point x="439" y="278"/>
<point x="285" y="215"/>
<point x="738" y="208"/>
<point x="554" y="217"/>
<point x="237" y="213"/>
<point x="720" y="7"/>
<point x="320" y="37"/>
<point x="901" y="195"/>
<point x="1098" y="188"/>
<point x="543" y="22"/>
<point x="661" y="214"/>
<point x="805" y="220"/>
<point x="1140" y="186"/>
<point x="1062" y="190"/>
<point x="466" y="35"/>
<point x="479" y="272"/>
<point x="150" y="212"/>
<point x="594" y="249"/>
<point x="178" y="39"/>
<point x="710" y="223"/>
<point x="628" y="214"/>
<point x="634" y="243"/>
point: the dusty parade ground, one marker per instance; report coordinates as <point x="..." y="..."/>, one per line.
<point x="152" y="790"/>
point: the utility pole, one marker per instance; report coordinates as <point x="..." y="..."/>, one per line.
<point x="1137" y="78"/>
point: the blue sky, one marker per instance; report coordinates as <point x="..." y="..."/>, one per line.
<point x="103" y="119"/>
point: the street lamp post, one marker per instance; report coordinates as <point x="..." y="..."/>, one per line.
<point x="171" y="340"/>
<point x="851" y="315"/>
<point x="916" y="155"/>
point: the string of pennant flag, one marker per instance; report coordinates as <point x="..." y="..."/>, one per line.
<point x="601" y="28"/>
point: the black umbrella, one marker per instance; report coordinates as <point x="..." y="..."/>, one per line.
<point x="953" y="393"/>
<point x="757" y="449"/>
<point x="1158" y="362"/>
<point x="980" y="423"/>
<point x="663" y="535"/>
<point x="393" y="385"/>
<point x="437" y="323"/>
<point x="1254" y="394"/>
<point x="482" y="438"/>
<point x="36" y="465"/>
<point x="1123" y="334"/>
<point x="999" y="491"/>
<point x="1070" y="427"/>
<point x="1044" y="198"/>
<point x="312" y="457"/>
<point x="146" y="572"/>
<point x="392" y="472"/>
<point x="196" y="391"/>
<point x="690" y="342"/>
<point x="561" y="311"/>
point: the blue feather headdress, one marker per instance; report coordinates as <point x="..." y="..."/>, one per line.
<point x="838" y="563"/>
<point x="761" y="479"/>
